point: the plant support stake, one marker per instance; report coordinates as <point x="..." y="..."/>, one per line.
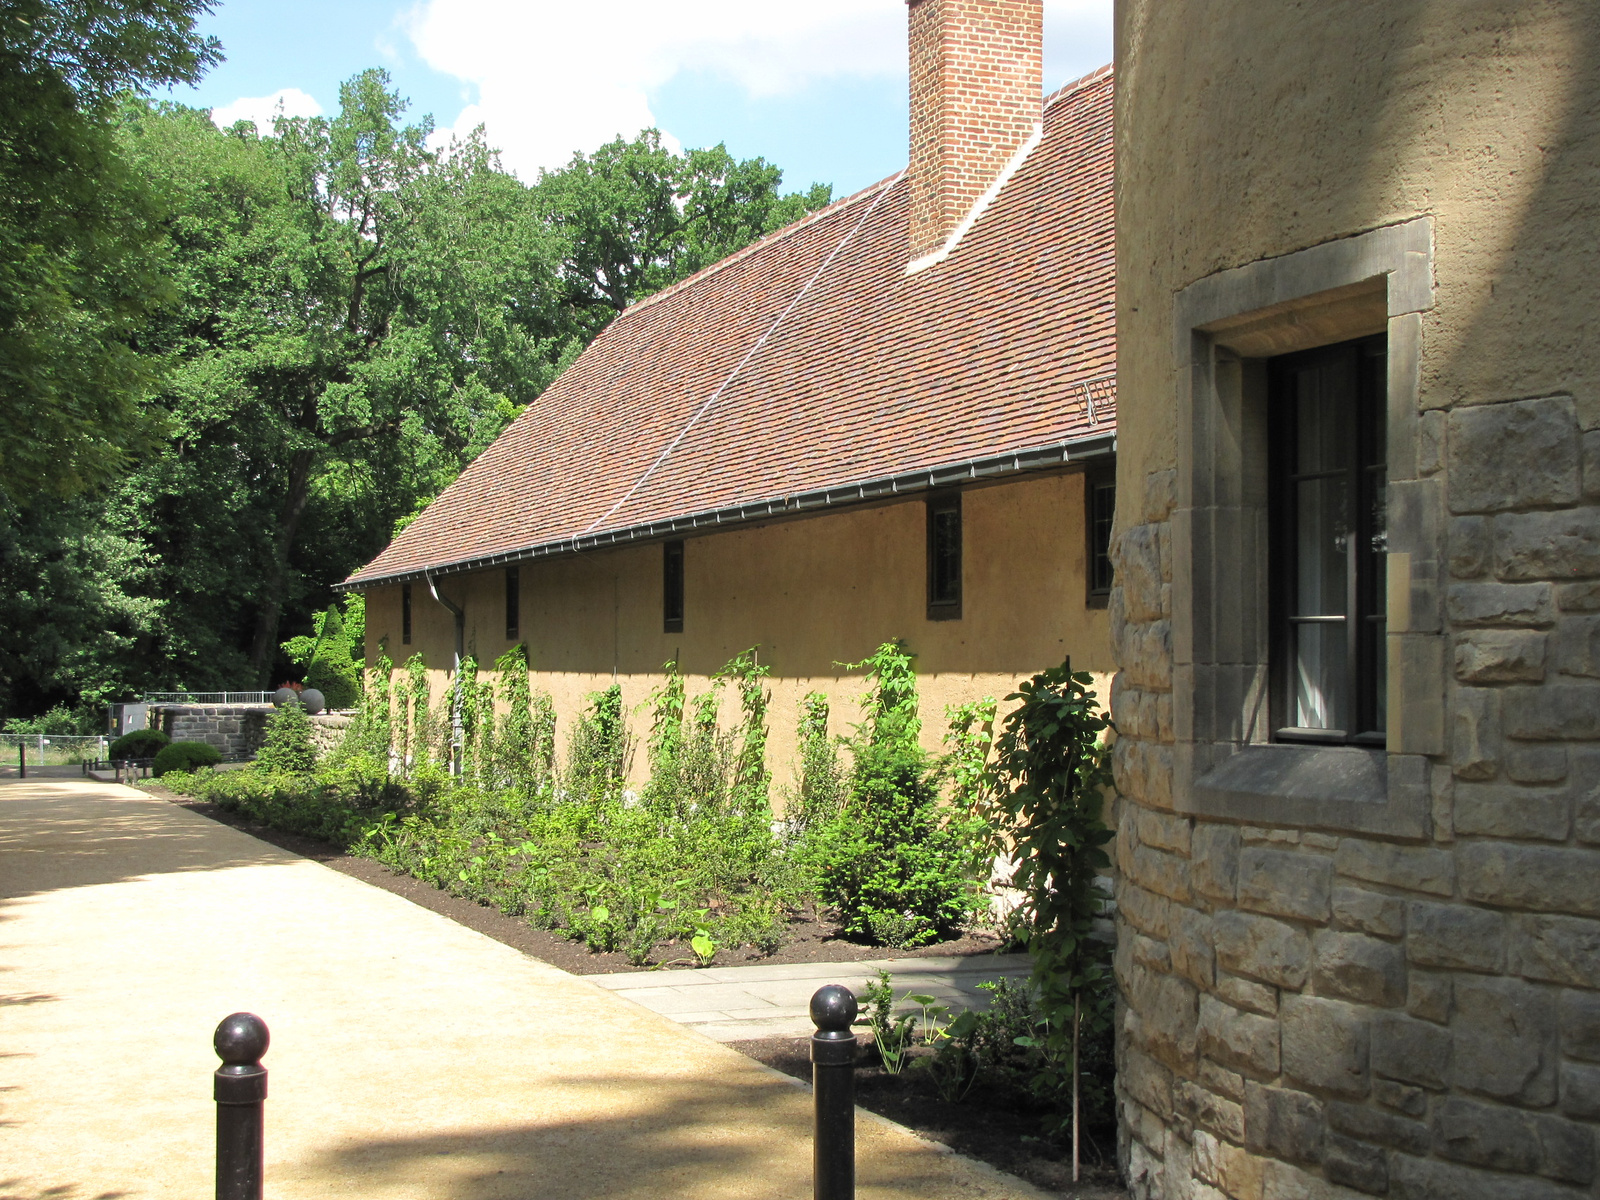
<point x="240" y="1089"/>
<point x="833" y="1089"/>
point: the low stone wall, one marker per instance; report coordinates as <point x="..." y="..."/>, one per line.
<point x="236" y="730"/>
<point x="327" y="731"/>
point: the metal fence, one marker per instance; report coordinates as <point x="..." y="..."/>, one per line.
<point x="208" y="697"/>
<point x="51" y="749"/>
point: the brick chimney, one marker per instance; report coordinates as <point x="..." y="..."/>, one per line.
<point x="977" y="70"/>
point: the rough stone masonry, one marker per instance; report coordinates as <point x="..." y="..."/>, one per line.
<point x="1385" y="983"/>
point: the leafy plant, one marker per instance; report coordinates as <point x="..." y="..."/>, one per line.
<point x="892" y="1033"/>
<point x="597" y="758"/>
<point x="953" y="1065"/>
<point x="823" y="783"/>
<point x="751" y="782"/>
<point x="1050" y="774"/>
<point x="137" y="743"/>
<point x="332" y="656"/>
<point x="287" y="747"/>
<point x="898" y="869"/>
<point x="184" y="756"/>
<point x="524" y="746"/>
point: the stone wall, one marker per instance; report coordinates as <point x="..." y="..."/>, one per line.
<point x="236" y="730"/>
<point x="327" y="731"/>
<point x="1376" y="972"/>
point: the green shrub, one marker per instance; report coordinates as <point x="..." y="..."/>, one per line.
<point x="823" y="782"/>
<point x="288" y="747"/>
<point x="898" y="868"/>
<point x="895" y="870"/>
<point x="597" y="759"/>
<point x="140" y="743"/>
<point x="59" y="720"/>
<point x="184" y="756"/>
<point x="333" y="655"/>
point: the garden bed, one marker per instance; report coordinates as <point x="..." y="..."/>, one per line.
<point x="992" y="1124"/>
<point x="808" y="939"/>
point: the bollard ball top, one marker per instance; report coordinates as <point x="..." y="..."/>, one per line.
<point x="833" y="1008"/>
<point x="241" y="1039"/>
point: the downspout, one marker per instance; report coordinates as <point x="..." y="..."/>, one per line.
<point x="455" y="672"/>
<point x="461" y="621"/>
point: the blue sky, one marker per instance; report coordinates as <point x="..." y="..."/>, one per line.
<point x="818" y="89"/>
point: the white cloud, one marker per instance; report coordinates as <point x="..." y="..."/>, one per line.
<point x="555" y="76"/>
<point x="261" y="109"/>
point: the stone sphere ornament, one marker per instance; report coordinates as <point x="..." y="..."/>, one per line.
<point x="283" y="696"/>
<point x="313" y="700"/>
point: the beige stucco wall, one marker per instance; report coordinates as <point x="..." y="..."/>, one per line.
<point x="1399" y="996"/>
<point x="810" y="593"/>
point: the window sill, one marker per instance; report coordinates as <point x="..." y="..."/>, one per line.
<point x="1342" y="789"/>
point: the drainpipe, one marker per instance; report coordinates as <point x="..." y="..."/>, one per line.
<point x="461" y="621"/>
<point x="461" y="652"/>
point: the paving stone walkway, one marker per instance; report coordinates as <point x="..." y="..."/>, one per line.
<point x="735" y="1004"/>
<point x="411" y="1058"/>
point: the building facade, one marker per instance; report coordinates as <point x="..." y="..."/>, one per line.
<point x="1357" y="613"/>
<point x="894" y="419"/>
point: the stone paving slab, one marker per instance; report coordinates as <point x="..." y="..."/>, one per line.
<point x="734" y="1004"/>
<point x="411" y="1058"/>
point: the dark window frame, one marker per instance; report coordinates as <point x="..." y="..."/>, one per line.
<point x="405" y="614"/>
<point x="945" y="557"/>
<point x="1365" y="598"/>
<point x="1099" y="512"/>
<point x="513" y="603"/>
<point x="672" y="572"/>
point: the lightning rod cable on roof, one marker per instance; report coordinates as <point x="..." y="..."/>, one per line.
<point x="743" y="362"/>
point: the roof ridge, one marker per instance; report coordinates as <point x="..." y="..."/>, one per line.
<point x="745" y="251"/>
<point x="1078" y="84"/>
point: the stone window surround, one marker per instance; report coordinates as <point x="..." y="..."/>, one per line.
<point x="1225" y="327"/>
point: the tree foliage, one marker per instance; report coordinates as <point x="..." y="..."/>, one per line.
<point x="282" y="345"/>
<point x="79" y="235"/>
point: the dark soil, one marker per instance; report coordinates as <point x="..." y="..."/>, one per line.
<point x="809" y="939"/>
<point x="995" y="1126"/>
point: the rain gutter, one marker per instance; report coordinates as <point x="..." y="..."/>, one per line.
<point x="1079" y="450"/>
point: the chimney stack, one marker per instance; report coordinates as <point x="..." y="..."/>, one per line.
<point x="977" y="70"/>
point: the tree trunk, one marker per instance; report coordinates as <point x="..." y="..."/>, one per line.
<point x="277" y="581"/>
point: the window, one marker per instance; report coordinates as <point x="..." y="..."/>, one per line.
<point x="1100" y="504"/>
<point x="513" y="603"/>
<point x="405" y="614"/>
<point x="1326" y="422"/>
<point x="672" y="587"/>
<point x="944" y="557"/>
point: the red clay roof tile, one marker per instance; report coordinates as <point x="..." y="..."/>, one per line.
<point x="810" y="360"/>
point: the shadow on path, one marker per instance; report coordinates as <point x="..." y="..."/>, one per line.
<point x="59" y="834"/>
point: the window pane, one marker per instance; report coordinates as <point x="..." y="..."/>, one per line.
<point x="1322" y="542"/>
<point x="1319" y="701"/>
<point x="946" y="556"/>
<point x="1323" y="417"/>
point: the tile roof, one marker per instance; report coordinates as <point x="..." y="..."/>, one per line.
<point x="811" y="361"/>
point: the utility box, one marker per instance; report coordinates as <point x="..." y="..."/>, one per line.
<point x="125" y="718"/>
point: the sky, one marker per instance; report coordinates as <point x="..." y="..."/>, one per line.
<point x="816" y="87"/>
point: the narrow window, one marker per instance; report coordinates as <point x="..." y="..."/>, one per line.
<point x="672" y="587"/>
<point x="1100" y="506"/>
<point x="513" y="603"/>
<point x="1329" y="539"/>
<point x="944" y="557"/>
<point x="405" y="614"/>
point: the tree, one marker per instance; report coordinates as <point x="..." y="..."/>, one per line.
<point x="356" y="324"/>
<point x="638" y="217"/>
<point x="78" y="234"/>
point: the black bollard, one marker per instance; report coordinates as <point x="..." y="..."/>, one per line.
<point x="241" y="1092"/>
<point x="22" y="761"/>
<point x="833" y="1088"/>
